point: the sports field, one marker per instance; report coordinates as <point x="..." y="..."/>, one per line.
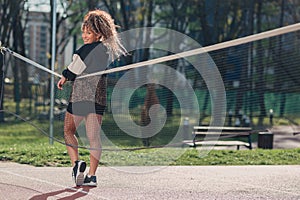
<point x="174" y="182"/>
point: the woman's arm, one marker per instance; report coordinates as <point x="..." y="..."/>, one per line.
<point x="60" y="83"/>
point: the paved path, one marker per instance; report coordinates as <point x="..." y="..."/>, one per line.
<point x="284" y="138"/>
<point x="174" y="182"/>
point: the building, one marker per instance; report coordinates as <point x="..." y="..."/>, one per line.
<point x="38" y="40"/>
<point x="37" y="37"/>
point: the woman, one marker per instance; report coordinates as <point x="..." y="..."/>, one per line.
<point x="88" y="97"/>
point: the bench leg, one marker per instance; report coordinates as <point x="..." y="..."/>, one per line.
<point x="194" y="140"/>
<point x="238" y="147"/>
<point x="250" y="142"/>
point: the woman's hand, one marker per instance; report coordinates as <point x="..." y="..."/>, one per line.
<point x="61" y="82"/>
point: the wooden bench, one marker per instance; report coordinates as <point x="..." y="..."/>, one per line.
<point x="214" y="136"/>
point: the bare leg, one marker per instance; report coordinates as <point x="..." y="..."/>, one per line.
<point x="70" y="125"/>
<point x="93" y="126"/>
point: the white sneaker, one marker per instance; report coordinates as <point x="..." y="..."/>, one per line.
<point x="90" y="181"/>
<point x="78" y="171"/>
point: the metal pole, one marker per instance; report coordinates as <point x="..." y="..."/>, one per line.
<point x="53" y="53"/>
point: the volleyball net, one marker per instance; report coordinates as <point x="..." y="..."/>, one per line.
<point x="170" y="83"/>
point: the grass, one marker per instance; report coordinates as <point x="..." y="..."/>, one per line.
<point x="22" y="143"/>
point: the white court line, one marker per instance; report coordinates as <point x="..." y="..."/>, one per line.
<point x="54" y="184"/>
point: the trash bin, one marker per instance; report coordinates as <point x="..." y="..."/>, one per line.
<point x="265" y="140"/>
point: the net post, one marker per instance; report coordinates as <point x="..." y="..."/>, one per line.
<point x="53" y="53"/>
<point x="1" y="86"/>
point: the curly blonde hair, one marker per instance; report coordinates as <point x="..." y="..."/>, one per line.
<point x="100" y="22"/>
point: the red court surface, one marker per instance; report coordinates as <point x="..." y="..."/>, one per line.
<point x="174" y="182"/>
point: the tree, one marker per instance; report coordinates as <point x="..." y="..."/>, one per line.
<point x="5" y="30"/>
<point x="218" y="21"/>
<point x="173" y="15"/>
<point x="19" y="46"/>
<point x="260" y="84"/>
<point x="13" y="24"/>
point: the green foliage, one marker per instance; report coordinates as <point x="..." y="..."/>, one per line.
<point x="235" y="157"/>
<point x="24" y="144"/>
